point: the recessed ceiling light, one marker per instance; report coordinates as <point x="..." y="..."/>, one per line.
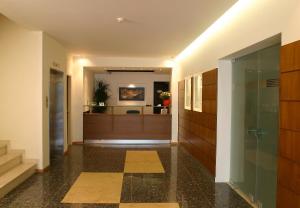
<point x="120" y="19"/>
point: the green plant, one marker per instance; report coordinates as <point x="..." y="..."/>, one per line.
<point x="101" y="96"/>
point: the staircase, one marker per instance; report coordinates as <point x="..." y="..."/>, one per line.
<point x="14" y="169"/>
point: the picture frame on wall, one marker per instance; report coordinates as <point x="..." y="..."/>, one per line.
<point x="131" y="93"/>
<point x="188" y="93"/>
<point x="197" y="92"/>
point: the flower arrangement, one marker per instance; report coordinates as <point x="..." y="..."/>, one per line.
<point x="165" y="95"/>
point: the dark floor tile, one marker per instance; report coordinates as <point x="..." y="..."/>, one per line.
<point x="145" y="188"/>
<point x="185" y="180"/>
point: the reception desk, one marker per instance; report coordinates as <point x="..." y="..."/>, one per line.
<point x="104" y="126"/>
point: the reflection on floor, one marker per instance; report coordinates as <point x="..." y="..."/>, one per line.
<point x="185" y="181"/>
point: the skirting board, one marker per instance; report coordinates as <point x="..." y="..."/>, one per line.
<point x="42" y="170"/>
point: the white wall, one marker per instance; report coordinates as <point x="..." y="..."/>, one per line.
<point x="21" y="88"/>
<point x="88" y="87"/>
<point x="138" y="79"/>
<point x="54" y="57"/>
<point x="76" y="66"/>
<point x="250" y="22"/>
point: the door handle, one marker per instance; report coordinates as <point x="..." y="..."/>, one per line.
<point x="257" y="132"/>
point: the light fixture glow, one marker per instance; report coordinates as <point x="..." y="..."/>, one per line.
<point x="228" y="16"/>
<point x="82" y="61"/>
<point x="131" y="86"/>
<point x="169" y="63"/>
<point x="120" y="19"/>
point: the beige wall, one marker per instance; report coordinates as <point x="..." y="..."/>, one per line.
<point x="139" y="79"/>
<point x="21" y="88"/>
<point x="54" y="57"/>
<point x="88" y="87"/>
<point x="76" y="66"/>
<point x="26" y="59"/>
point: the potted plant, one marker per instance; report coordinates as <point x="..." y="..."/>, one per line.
<point x="165" y="96"/>
<point x="100" y="97"/>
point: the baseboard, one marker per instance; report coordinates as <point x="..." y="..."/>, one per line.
<point x="42" y="170"/>
<point x="66" y="152"/>
<point x="77" y="142"/>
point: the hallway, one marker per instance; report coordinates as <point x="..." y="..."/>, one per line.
<point x="184" y="182"/>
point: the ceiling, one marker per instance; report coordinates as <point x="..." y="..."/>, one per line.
<point x="152" y="28"/>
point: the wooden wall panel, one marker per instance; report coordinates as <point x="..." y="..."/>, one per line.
<point x="290" y="86"/>
<point x="104" y="126"/>
<point x="289" y="145"/>
<point x="287" y="58"/>
<point x="287" y="198"/>
<point x="288" y="193"/>
<point x="197" y="130"/>
<point x="290" y="115"/>
<point x="297" y="55"/>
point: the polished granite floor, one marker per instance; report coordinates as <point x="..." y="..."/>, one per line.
<point x="185" y="181"/>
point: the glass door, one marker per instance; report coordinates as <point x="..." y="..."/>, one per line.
<point x="255" y="125"/>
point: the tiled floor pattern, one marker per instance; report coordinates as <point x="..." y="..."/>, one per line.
<point x="95" y="188"/>
<point x="106" y="188"/>
<point x="185" y="181"/>
<point x="143" y="162"/>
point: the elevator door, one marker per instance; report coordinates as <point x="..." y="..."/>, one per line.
<point x="255" y="125"/>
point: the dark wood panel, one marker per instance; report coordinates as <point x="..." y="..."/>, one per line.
<point x="197" y="130"/>
<point x="209" y="106"/>
<point x="91" y="128"/>
<point x="210" y="77"/>
<point x="289" y="145"/>
<point x="290" y="115"/>
<point x="159" y="124"/>
<point x="290" y="86"/>
<point x="287" y="57"/>
<point x="288" y="193"/>
<point x="103" y="126"/>
<point x="209" y="92"/>
<point x="286" y="198"/>
<point x="128" y="124"/>
<point x="289" y="175"/>
<point x="297" y="55"/>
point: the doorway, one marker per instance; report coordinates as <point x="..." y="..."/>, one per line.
<point x="56" y="113"/>
<point x="69" y="81"/>
<point x="159" y="87"/>
<point x="255" y="125"/>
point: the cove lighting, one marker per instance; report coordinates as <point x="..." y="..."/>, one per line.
<point x="228" y="16"/>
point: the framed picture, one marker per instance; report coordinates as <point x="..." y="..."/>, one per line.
<point x="131" y="93"/>
<point x="188" y="93"/>
<point x="197" y="92"/>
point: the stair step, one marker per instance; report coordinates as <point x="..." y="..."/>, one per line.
<point x="16" y="176"/>
<point x="3" y="147"/>
<point x="10" y="160"/>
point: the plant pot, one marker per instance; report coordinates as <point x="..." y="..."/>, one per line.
<point x="166" y="102"/>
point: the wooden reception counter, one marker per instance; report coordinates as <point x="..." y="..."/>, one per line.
<point x="98" y="126"/>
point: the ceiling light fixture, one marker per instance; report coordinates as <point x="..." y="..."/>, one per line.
<point x="120" y="19"/>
